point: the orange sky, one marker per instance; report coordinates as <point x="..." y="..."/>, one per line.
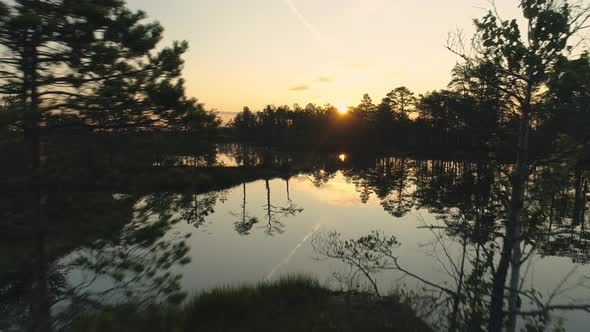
<point x="258" y="52"/>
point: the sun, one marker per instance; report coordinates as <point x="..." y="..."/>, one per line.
<point x="342" y="109"/>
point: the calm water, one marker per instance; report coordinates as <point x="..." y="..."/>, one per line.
<point x="222" y="256"/>
<point x="443" y="213"/>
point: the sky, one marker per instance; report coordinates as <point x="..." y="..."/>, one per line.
<point x="259" y="52"/>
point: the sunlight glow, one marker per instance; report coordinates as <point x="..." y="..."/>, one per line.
<point x="342" y="109"/>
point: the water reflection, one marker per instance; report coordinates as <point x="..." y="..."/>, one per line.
<point x="98" y="248"/>
<point x="104" y="247"/>
<point x="245" y="222"/>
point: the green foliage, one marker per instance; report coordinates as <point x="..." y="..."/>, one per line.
<point x="93" y="63"/>
<point x="525" y="62"/>
<point x="292" y="303"/>
<point x="506" y="47"/>
<point x="233" y="303"/>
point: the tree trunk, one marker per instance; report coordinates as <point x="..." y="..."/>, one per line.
<point x="40" y="306"/>
<point x="288" y="192"/>
<point x="511" y="252"/>
<point x="585" y="193"/>
<point x="457" y="301"/>
<point x="244" y="205"/>
<point x="580" y="198"/>
<point x="268" y="205"/>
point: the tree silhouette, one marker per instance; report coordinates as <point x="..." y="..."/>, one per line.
<point x="523" y="64"/>
<point x="366" y="111"/>
<point x="403" y="101"/>
<point x="245" y="222"/>
<point x="91" y="63"/>
<point x="275" y="213"/>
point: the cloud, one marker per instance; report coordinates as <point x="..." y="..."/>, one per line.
<point x="318" y="80"/>
<point x="355" y="65"/>
<point x="300" y="88"/>
<point x="324" y="79"/>
<point x="310" y="27"/>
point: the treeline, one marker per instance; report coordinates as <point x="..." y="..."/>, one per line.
<point x="473" y="113"/>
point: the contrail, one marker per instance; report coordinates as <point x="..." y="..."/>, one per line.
<point x="303" y="20"/>
<point x="293" y="252"/>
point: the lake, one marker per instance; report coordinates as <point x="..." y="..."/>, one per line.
<point x="446" y="215"/>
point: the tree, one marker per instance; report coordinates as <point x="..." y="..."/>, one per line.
<point x="90" y="61"/>
<point x="489" y="112"/>
<point x="403" y="101"/>
<point x="567" y="101"/>
<point x="384" y="119"/>
<point x="442" y="110"/>
<point x="245" y="122"/>
<point x="366" y="108"/>
<point x="84" y="62"/>
<point x="523" y="64"/>
<point x="450" y="115"/>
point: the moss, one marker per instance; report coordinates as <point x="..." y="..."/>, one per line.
<point x="292" y="303"/>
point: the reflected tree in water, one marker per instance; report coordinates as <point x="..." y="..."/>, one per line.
<point x="398" y="203"/>
<point x="245" y="222"/>
<point x="320" y="176"/>
<point x="274" y="214"/>
<point x="195" y="208"/>
<point x="104" y="249"/>
<point x="361" y="183"/>
<point x="469" y="219"/>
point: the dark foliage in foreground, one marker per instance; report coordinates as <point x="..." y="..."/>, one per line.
<point x="293" y="303"/>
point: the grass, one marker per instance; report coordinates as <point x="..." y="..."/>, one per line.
<point x="292" y="303"/>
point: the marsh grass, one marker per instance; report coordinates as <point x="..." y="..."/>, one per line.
<point x="291" y="303"/>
